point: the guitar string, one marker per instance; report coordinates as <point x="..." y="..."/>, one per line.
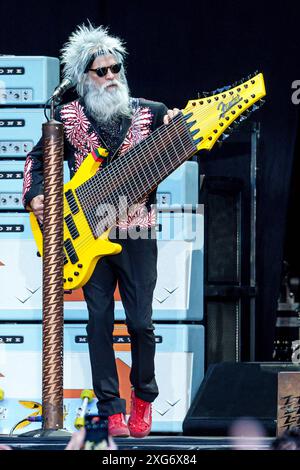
<point x="107" y="179"/>
<point x="145" y="175"/>
<point x="199" y="113"/>
<point x="142" y="175"/>
<point x="113" y="202"/>
<point x="180" y="140"/>
<point x="88" y="229"/>
<point x="171" y="162"/>
<point x="116" y="170"/>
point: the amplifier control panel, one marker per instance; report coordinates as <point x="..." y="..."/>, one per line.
<point x="17" y="147"/>
<point x="15" y="95"/>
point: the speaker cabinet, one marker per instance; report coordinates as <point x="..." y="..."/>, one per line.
<point x="222" y="330"/>
<point x="233" y="390"/>
<point x="228" y="195"/>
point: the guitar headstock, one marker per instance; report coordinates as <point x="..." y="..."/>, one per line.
<point x="210" y="116"/>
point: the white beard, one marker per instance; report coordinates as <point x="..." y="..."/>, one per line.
<point x="105" y="105"/>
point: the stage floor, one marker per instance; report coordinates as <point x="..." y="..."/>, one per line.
<point x="184" y="443"/>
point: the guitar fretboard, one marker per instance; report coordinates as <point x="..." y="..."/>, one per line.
<point x="130" y="178"/>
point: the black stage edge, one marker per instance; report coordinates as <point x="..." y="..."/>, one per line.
<point x="158" y="443"/>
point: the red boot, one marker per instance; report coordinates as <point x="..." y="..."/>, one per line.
<point x="117" y="426"/>
<point x="140" y="420"/>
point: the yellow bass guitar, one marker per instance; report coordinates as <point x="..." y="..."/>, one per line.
<point x="91" y="194"/>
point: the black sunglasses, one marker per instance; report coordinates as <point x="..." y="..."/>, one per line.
<point x="102" y="71"/>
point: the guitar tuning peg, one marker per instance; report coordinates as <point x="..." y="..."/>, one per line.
<point x="253" y="74"/>
<point x="254" y="107"/>
<point x="243" y="117"/>
<point x="225" y="88"/>
<point x="261" y="102"/>
<point x="202" y="94"/>
<point x="224" y="136"/>
<point x="220" y="90"/>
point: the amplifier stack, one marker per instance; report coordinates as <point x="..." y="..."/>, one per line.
<point x="177" y="302"/>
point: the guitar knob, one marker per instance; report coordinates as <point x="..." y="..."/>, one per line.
<point x="76" y="273"/>
<point x="70" y="279"/>
<point x="79" y="265"/>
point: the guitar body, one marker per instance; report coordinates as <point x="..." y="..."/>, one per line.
<point x="88" y="249"/>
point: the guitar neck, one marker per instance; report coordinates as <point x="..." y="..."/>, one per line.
<point x="139" y="171"/>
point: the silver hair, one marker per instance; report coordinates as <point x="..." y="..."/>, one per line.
<point x="84" y="44"/>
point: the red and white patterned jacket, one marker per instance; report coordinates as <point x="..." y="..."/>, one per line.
<point x="80" y="138"/>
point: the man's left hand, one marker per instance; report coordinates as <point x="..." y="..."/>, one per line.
<point x="171" y="113"/>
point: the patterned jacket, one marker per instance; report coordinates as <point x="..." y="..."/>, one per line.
<point x="81" y="137"/>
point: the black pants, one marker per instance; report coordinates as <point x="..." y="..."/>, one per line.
<point x="135" y="270"/>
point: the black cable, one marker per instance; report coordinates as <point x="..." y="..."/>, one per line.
<point x="45" y="108"/>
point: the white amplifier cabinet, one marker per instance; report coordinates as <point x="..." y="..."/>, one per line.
<point x="11" y="184"/>
<point x="179" y="369"/>
<point x="179" y="188"/>
<point x="179" y="289"/>
<point x="27" y="80"/>
<point x="20" y="130"/>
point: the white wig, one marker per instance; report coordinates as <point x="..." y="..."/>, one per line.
<point x="83" y="46"/>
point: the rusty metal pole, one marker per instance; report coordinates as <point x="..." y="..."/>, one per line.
<point x="53" y="319"/>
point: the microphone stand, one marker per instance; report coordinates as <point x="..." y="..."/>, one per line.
<point x="53" y="292"/>
<point x="53" y="262"/>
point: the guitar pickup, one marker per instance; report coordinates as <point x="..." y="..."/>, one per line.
<point x="69" y="247"/>
<point x="71" y="226"/>
<point x="72" y="201"/>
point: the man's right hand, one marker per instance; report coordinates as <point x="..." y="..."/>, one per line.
<point x="37" y="206"/>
